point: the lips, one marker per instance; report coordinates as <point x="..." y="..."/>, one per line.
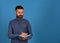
<point x="20" y="16"/>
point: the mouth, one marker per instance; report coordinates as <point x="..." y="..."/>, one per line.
<point x="20" y="16"/>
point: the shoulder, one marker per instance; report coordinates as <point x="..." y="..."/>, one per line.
<point x="12" y="20"/>
<point x="25" y="20"/>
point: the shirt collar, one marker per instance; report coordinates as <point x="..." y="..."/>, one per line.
<point x="19" y="19"/>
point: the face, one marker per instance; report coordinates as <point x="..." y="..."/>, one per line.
<point x="19" y="13"/>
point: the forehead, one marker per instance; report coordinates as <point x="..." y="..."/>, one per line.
<point x="20" y="10"/>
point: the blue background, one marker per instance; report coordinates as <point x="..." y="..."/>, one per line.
<point x="44" y="16"/>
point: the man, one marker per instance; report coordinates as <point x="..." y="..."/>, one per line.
<point x="19" y="28"/>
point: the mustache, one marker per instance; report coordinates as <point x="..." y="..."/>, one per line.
<point x="20" y="16"/>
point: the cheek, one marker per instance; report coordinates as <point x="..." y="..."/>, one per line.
<point x="22" y="13"/>
<point x="18" y="13"/>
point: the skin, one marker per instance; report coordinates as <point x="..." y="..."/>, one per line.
<point x="19" y="15"/>
<point x="23" y="34"/>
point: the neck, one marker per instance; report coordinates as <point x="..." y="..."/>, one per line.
<point x="19" y="18"/>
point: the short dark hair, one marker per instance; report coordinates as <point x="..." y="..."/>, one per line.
<point x="19" y="7"/>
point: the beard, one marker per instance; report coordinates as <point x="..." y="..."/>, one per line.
<point x="19" y="17"/>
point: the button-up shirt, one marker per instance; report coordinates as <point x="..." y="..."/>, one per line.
<point x="16" y="27"/>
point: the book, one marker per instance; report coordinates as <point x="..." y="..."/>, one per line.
<point x="25" y="36"/>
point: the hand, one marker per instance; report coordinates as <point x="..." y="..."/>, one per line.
<point x="23" y="38"/>
<point x="23" y="34"/>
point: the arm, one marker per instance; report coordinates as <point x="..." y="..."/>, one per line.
<point x="11" y="35"/>
<point x="29" y="30"/>
<point x="28" y="35"/>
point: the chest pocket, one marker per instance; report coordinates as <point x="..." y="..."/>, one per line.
<point x="24" y="24"/>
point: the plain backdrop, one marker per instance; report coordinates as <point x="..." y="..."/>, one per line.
<point x="44" y="16"/>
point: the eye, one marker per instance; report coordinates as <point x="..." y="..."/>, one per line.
<point x="18" y="12"/>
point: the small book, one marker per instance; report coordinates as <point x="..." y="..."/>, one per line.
<point x="25" y="36"/>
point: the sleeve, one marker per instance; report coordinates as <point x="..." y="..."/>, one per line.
<point x="11" y="35"/>
<point x="29" y="30"/>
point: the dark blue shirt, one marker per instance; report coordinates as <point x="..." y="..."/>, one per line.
<point x="16" y="27"/>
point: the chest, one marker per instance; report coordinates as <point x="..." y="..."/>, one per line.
<point x="19" y="27"/>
